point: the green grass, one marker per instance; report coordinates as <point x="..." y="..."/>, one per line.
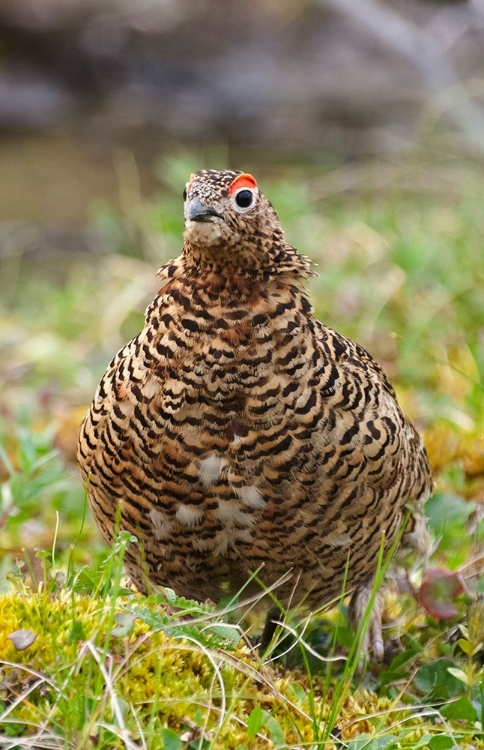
<point x="401" y="270"/>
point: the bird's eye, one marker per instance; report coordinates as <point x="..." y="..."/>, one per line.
<point x="185" y="194"/>
<point x="244" y="198"/>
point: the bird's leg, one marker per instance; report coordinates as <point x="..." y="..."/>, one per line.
<point x="274" y="616"/>
<point x="373" y="638"/>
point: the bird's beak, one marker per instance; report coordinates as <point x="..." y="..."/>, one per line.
<point x="196" y="211"/>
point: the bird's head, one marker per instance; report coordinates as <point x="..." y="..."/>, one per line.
<point x="225" y="209"/>
<point x="232" y="230"/>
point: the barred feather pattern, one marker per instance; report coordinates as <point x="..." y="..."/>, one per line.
<point x="237" y="434"/>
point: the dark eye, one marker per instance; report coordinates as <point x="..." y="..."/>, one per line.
<point x="185" y="194"/>
<point x="244" y="198"/>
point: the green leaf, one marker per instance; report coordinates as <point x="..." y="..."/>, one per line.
<point x="367" y="742"/>
<point x="465" y="646"/>
<point x="424" y="741"/>
<point x="77" y="633"/>
<point x="399" y="666"/>
<point x="360" y="742"/>
<point x="124" y="624"/>
<point x="461" y="708"/>
<point x="255" y="722"/>
<point x="171" y="740"/>
<point x="448" y="514"/>
<point x="442" y="742"/>
<point x="435" y="679"/>
<point x="458" y="674"/>
<point x="170" y="596"/>
<point x="276" y="732"/>
<point x="299" y="692"/>
<point x="227" y="632"/>
<point x="155" y="620"/>
<point x="85" y="580"/>
<point x="383" y="743"/>
<point x="393" y="741"/>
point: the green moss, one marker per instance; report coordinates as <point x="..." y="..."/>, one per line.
<point x="148" y="680"/>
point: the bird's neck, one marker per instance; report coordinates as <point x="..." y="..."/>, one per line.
<point x="222" y="287"/>
<point x="257" y="263"/>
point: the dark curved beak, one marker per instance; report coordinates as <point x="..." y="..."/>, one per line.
<point x="196" y="211"/>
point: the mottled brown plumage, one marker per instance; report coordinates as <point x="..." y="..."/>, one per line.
<point x="240" y="434"/>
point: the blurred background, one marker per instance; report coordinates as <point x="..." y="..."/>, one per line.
<point x="364" y="124"/>
<point x="318" y="82"/>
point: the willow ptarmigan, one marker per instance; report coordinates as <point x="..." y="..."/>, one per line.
<point x="239" y="434"/>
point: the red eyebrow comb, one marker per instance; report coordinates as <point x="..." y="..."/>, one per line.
<point x="242" y="181"/>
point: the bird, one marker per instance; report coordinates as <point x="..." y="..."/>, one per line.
<point x="244" y="443"/>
